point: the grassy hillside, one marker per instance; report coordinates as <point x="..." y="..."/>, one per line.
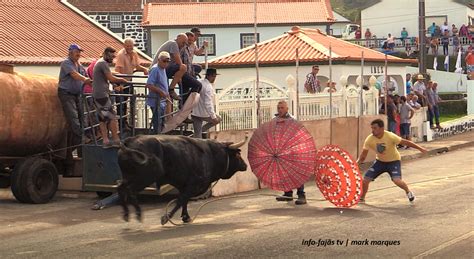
<point x="351" y="8"/>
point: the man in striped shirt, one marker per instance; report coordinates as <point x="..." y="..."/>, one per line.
<point x="312" y="84"/>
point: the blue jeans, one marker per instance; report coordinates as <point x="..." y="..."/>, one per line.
<point x="299" y="191"/>
<point x="392" y="125"/>
<point x="433" y="113"/>
<point x="392" y="168"/>
<point x="156" y="122"/>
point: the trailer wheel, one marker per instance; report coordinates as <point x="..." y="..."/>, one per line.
<point x="16" y="181"/>
<point x="34" y="180"/>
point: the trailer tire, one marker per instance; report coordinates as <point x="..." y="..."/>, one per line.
<point x="16" y="181"/>
<point x="36" y="181"/>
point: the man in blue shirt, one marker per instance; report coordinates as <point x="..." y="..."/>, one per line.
<point x="158" y="87"/>
<point x="71" y="79"/>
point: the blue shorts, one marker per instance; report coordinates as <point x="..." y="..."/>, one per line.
<point x="392" y="168"/>
<point x="405" y="129"/>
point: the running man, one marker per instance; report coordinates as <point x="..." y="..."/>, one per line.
<point x="384" y="143"/>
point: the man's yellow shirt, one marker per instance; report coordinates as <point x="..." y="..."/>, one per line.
<point x="385" y="147"/>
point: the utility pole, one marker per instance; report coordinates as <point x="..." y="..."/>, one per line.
<point x="422" y="37"/>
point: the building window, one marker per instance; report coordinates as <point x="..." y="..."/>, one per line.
<point x="247" y="39"/>
<point x="115" y="21"/>
<point x="211" y="39"/>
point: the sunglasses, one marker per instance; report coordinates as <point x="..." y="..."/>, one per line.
<point x="165" y="60"/>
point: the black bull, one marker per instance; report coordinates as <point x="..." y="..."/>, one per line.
<point x="189" y="164"/>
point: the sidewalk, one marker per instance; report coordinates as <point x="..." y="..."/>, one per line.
<point x="440" y="146"/>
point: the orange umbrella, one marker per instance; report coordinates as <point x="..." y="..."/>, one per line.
<point x="338" y="176"/>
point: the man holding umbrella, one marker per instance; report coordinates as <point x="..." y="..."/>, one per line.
<point x="384" y="143"/>
<point x="282" y="108"/>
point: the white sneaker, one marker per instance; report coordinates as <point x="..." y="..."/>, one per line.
<point x="411" y="196"/>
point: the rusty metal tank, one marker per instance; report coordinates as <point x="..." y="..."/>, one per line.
<point x="31" y="115"/>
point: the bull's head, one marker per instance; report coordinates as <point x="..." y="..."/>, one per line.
<point x="236" y="163"/>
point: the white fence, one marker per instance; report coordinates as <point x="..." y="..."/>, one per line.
<point x="238" y="114"/>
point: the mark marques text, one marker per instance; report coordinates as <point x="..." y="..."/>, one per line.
<point x="338" y="242"/>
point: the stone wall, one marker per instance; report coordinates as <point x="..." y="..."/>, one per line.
<point x="131" y="26"/>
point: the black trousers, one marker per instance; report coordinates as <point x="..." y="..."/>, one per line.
<point x="74" y="113"/>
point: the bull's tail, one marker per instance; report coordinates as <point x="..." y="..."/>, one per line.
<point x="138" y="156"/>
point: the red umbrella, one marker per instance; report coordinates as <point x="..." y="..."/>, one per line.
<point x="282" y="154"/>
<point x="338" y="176"/>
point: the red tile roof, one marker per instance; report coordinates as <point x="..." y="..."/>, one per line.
<point x="313" y="46"/>
<point x="39" y="33"/>
<point x="116" y="5"/>
<point x="237" y="13"/>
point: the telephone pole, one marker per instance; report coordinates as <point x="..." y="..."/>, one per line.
<point x="422" y="37"/>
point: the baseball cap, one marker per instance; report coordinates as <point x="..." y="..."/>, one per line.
<point x="74" y="47"/>
<point x="164" y="54"/>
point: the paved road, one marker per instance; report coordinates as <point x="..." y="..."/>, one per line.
<point x="439" y="224"/>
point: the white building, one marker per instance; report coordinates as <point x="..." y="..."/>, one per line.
<point x="389" y="16"/>
<point x="229" y="26"/>
<point x="339" y="25"/>
<point x="277" y="59"/>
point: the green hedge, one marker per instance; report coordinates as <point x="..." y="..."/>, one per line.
<point x="451" y="96"/>
<point x="453" y="107"/>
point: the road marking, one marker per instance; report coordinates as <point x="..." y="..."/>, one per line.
<point x="444" y="245"/>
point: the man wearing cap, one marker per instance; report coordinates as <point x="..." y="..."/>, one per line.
<point x="204" y="110"/>
<point x="157" y="85"/>
<point x="419" y="89"/>
<point x="312" y="84"/>
<point x="71" y="80"/>
<point x="126" y="62"/>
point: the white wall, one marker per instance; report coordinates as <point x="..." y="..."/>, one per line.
<point x="338" y="28"/>
<point x="447" y="81"/>
<point x="470" y="97"/>
<point x="277" y="75"/>
<point x="227" y="39"/>
<point x="391" y="16"/>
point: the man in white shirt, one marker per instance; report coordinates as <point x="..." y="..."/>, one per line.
<point x="445" y="27"/>
<point x="419" y="89"/>
<point x="204" y="111"/>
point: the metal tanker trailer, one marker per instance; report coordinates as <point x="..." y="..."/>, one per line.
<point x="33" y="139"/>
<point x="32" y="124"/>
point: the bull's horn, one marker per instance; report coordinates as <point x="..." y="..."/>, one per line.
<point x="237" y="145"/>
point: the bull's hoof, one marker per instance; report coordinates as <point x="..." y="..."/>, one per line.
<point x="164" y="219"/>
<point x="140" y="217"/>
<point x="126" y="217"/>
<point x="186" y="219"/>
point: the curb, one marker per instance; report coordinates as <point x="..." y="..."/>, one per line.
<point x="437" y="151"/>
